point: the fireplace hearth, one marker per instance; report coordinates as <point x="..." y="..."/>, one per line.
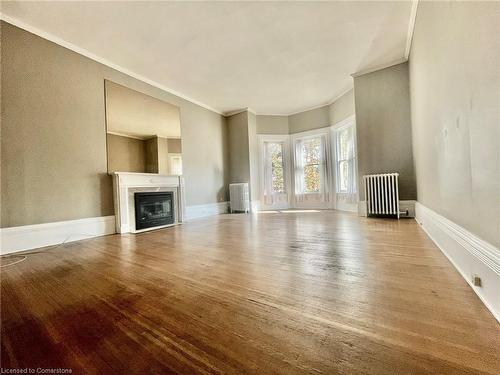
<point x="154" y="209"/>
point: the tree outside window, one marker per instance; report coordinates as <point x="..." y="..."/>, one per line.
<point x="275" y="152"/>
<point x="311" y="160"/>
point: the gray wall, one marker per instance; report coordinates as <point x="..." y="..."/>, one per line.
<point x="269" y="124"/>
<point x="455" y="95"/>
<point x="53" y="145"/>
<point x="383" y="127"/>
<point x="125" y="154"/>
<point x="313" y="119"/>
<point x="324" y="116"/>
<point x="342" y="108"/>
<point x="253" y="149"/>
<point x="244" y="151"/>
<point x="239" y="163"/>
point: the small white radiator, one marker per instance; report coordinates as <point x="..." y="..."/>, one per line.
<point x="239" y="197"/>
<point x="381" y="194"/>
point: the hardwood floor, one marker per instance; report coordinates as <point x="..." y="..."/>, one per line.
<point x="311" y="292"/>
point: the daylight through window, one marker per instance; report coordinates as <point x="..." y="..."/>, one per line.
<point x="275" y="154"/>
<point x="312" y="164"/>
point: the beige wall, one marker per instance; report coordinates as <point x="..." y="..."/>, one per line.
<point x="455" y="94"/>
<point x="54" y="141"/>
<point x="383" y="127"/>
<point x="268" y="124"/>
<point x="151" y="152"/>
<point x="163" y="162"/>
<point x="125" y="154"/>
<point x="174" y="146"/>
<point x="53" y="135"/>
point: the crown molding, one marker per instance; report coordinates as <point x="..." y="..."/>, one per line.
<point x="411" y="27"/>
<point x="238" y="111"/>
<point x="272" y="114"/>
<point x="379" y="67"/>
<point x="252" y="111"/>
<point x="322" y="105"/>
<point x="409" y="38"/>
<point x="235" y="112"/>
<point x="128" y="135"/>
<point x="310" y="108"/>
<point x="63" y="43"/>
<point x="351" y="87"/>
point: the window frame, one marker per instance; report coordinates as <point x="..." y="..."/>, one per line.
<point x="348" y="122"/>
<point x="287" y="171"/>
<point x="304" y="165"/>
<point x="338" y="162"/>
<point x="323" y="132"/>
<point x="282" y="144"/>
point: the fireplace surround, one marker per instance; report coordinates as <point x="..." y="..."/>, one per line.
<point x="125" y="187"/>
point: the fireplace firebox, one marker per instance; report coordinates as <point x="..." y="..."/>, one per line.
<point x="154" y="209"/>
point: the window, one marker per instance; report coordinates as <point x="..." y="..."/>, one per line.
<point x="345" y="160"/>
<point x="311" y="168"/>
<point x="175" y="164"/>
<point x="275" y="156"/>
<point x="275" y="183"/>
<point x="312" y="163"/>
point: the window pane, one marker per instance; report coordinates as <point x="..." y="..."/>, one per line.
<point x="311" y="151"/>
<point x="276" y="155"/>
<point x="344" y="140"/>
<point x="345" y="154"/>
<point x="311" y="178"/>
<point x="343" y="176"/>
<point x="312" y="161"/>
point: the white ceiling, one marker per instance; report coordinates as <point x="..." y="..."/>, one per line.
<point x="275" y="58"/>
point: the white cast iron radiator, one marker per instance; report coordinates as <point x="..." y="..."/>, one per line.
<point x="239" y="197"/>
<point x="381" y="194"/>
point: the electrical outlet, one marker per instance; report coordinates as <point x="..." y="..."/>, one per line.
<point x="476" y="280"/>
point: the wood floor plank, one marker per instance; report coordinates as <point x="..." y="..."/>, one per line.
<point x="300" y="292"/>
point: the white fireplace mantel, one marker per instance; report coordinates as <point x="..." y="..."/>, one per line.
<point x="125" y="184"/>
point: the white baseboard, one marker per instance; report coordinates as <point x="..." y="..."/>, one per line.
<point x="28" y="237"/>
<point x="254" y="206"/>
<point x="468" y="253"/>
<point x="203" y="210"/>
<point x="403" y="206"/>
<point x="362" y="208"/>
<point x="408" y="205"/>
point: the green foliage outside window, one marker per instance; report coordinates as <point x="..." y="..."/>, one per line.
<point x="311" y="157"/>
<point x="275" y="151"/>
